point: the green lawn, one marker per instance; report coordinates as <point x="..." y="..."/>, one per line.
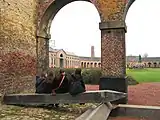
<point x="145" y="75"/>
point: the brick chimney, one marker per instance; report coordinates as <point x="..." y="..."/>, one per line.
<point x="92" y="52"/>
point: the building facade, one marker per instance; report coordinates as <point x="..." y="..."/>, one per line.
<point x="148" y="62"/>
<point x="63" y="59"/>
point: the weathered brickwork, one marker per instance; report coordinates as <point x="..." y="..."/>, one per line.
<point x="16" y="84"/>
<point x="44" y="54"/>
<point x="18" y="20"/>
<point x="110" y="9"/>
<point x="113" y="53"/>
<point x="42" y="6"/>
<point x="113" y="41"/>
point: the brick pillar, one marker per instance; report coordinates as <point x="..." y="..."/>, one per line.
<point x="113" y="56"/>
<point x="42" y="54"/>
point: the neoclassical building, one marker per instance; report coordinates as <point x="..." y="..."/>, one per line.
<point x="65" y="59"/>
<point x="153" y="62"/>
<point x="89" y="62"/>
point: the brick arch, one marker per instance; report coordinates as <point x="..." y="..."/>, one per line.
<point x="128" y="5"/>
<point x="43" y="31"/>
<point x="49" y="14"/>
<point x="111" y="13"/>
<point x="113" y="29"/>
<point x="113" y="36"/>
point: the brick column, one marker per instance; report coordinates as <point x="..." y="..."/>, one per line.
<point x="42" y="50"/>
<point x="113" y="56"/>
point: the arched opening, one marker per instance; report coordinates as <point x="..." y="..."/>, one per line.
<point x="81" y="64"/>
<point x="91" y="65"/>
<point x="55" y="9"/>
<point x="88" y="65"/>
<point x="99" y="65"/>
<point x="141" y="20"/>
<point x="95" y="65"/>
<point x="149" y="64"/>
<point x="71" y="26"/>
<point x="61" y="61"/>
<point x="61" y="55"/>
<point x="84" y="64"/>
<point x="155" y="64"/>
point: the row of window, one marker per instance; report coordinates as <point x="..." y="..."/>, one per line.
<point x="73" y="58"/>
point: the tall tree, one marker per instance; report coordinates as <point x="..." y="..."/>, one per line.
<point x="140" y="58"/>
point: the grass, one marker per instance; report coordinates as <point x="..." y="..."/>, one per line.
<point x="145" y="75"/>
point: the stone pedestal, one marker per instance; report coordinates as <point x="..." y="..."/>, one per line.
<point x="113" y="57"/>
<point x="116" y="84"/>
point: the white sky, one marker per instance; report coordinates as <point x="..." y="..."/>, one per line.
<point x="76" y="27"/>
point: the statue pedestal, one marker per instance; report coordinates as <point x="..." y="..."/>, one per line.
<point x="116" y="84"/>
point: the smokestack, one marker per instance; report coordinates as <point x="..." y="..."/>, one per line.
<point x="92" y="52"/>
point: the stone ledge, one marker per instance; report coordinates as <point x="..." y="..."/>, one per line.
<point x="138" y="111"/>
<point x="113" y="25"/>
<point x="43" y="35"/>
<point x="86" y="97"/>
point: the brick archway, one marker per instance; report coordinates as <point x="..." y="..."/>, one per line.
<point x="43" y="32"/>
<point x="49" y="8"/>
<point x="113" y="29"/>
<point x="22" y="32"/>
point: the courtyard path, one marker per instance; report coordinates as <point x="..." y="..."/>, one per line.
<point x="141" y="94"/>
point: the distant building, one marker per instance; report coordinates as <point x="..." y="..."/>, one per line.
<point x="64" y="59"/>
<point x="146" y="61"/>
<point x="61" y="58"/>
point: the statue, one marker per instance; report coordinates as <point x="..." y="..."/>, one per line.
<point x="140" y="59"/>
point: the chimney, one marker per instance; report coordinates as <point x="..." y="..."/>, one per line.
<point x="92" y="52"/>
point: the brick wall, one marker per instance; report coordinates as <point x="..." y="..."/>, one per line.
<point x="17" y="36"/>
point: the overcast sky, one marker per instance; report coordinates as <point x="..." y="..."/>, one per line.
<point x="75" y="28"/>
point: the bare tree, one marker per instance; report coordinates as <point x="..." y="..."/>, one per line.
<point x="145" y="55"/>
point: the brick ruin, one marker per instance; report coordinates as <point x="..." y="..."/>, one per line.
<point x="25" y="31"/>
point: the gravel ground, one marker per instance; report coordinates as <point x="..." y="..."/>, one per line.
<point x="65" y="112"/>
<point x="141" y="94"/>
